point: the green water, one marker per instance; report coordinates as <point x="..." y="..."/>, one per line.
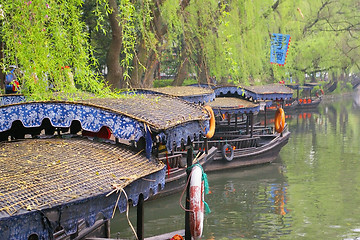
<point x="310" y="192"/>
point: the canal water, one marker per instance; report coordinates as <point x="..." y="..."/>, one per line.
<point x="312" y="191"/>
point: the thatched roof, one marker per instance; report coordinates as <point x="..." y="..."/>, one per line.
<point x="40" y="173"/>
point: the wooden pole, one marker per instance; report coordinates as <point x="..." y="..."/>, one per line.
<point x="247" y="123"/>
<point x="140" y="218"/>
<point x="236" y="117"/>
<point x="206" y="145"/>
<point x="252" y="124"/>
<point x="107" y="228"/>
<point x="187" y="203"/>
<point x="265" y="115"/>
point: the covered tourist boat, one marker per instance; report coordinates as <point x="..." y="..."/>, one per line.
<point x="179" y="101"/>
<point x="64" y="168"/>
<point x="239" y="140"/>
<point x="242" y="143"/>
<point x="288" y="103"/>
<point x="274" y="92"/>
<point x="304" y="101"/>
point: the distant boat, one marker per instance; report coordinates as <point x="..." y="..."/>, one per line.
<point x="308" y="101"/>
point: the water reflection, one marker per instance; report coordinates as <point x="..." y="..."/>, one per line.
<point x="278" y="197"/>
<point x="322" y="171"/>
<point x="311" y="192"/>
<point x="253" y="203"/>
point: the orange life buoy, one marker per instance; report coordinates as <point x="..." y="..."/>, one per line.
<point x="196" y="202"/>
<point x="279" y="120"/>
<point x="211" y="131"/>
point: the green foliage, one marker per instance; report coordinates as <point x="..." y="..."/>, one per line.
<point x="231" y="38"/>
<point x="234" y="36"/>
<point x="167" y="82"/>
<point x="45" y="39"/>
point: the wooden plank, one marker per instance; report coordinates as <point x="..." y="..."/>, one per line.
<point x="164" y="236"/>
<point x="167" y="235"/>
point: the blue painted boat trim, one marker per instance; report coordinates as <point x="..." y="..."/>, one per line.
<point x="11" y="99"/>
<point x="248" y="94"/>
<point x="61" y="114"/>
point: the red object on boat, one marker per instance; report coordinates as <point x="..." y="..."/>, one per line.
<point x="104" y="133"/>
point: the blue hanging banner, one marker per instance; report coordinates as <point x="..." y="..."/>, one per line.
<point x="279" y="48"/>
<point x="148" y="141"/>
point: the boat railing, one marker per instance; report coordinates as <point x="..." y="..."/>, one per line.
<point x="172" y="161"/>
<point x="238" y="143"/>
<point x="225" y="126"/>
<point x="242" y="133"/>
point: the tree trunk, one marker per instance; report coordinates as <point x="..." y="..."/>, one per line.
<point x="114" y="76"/>
<point x="313" y="77"/>
<point x="138" y="70"/>
<point x="203" y="72"/>
<point x="181" y="72"/>
<point x="150" y="70"/>
<point x="141" y="77"/>
<point x="182" y="69"/>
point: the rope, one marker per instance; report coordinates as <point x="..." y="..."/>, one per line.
<point x="168" y="165"/>
<point x="117" y="189"/>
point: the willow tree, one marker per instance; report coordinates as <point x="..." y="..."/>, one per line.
<point x="47" y="41"/>
<point x="325" y="37"/>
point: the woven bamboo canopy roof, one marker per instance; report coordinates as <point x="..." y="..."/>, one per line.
<point x="182" y="91"/>
<point x="188" y="93"/>
<point x="37" y="174"/>
<point x="128" y="117"/>
<point x="231" y="102"/>
<point x="270" y="89"/>
<point x="159" y="111"/>
<point x="226" y="104"/>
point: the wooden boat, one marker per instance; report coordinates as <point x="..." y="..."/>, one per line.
<point x="239" y="141"/>
<point x="242" y="144"/>
<point x="307" y="102"/>
<point x="62" y="186"/>
<point x="176" y="169"/>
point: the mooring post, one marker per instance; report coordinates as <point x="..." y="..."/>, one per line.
<point x="247" y="123"/>
<point x="140" y="218"/>
<point x="189" y="159"/>
<point x="265" y="115"/>
<point x="236" y="117"/>
<point x="252" y="124"/>
<point x="206" y="145"/>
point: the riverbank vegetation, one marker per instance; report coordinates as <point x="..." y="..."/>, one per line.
<point x="99" y="45"/>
